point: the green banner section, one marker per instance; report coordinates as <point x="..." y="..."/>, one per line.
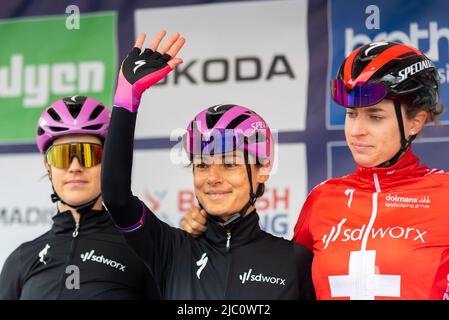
<point x="41" y="60"/>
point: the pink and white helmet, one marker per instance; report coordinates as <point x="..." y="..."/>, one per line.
<point x="72" y="115"/>
<point x="224" y="128"/>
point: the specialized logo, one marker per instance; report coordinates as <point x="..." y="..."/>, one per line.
<point x="415" y="68"/>
<point x="258" y="125"/>
<point x="249" y="277"/>
<point x="138" y="64"/>
<point x="350" y="193"/>
<point x="340" y="233"/>
<point x="43" y="253"/>
<point x="201" y="264"/>
<point x="216" y="107"/>
<point x="89" y="256"/>
<point x="375" y="45"/>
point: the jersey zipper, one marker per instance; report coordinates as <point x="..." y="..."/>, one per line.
<point x="373" y="217"/>
<point x="73" y="243"/>
<point x="362" y="282"/>
<point x="228" y="256"/>
<point x="228" y="241"/>
<point x="75" y="233"/>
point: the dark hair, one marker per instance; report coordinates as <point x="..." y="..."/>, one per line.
<point x="412" y="110"/>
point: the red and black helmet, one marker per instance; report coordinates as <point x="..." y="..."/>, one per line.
<point x="387" y="70"/>
<point x="390" y="70"/>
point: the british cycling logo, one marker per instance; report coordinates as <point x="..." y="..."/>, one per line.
<point x="248" y="277"/>
<point x="89" y="256"/>
<point x="344" y="234"/>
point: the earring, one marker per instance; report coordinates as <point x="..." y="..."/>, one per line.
<point x="412" y="133"/>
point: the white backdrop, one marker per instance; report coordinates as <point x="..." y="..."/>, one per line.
<point x="261" y="30"/>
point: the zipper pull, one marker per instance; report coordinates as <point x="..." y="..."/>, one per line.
<point x="228" y="241"/>
<point x="75" y="233"/>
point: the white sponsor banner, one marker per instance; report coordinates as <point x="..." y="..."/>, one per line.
<point x="251" y="53"/>
<point x="25" y="205"/>
<point x="168" y="188"/>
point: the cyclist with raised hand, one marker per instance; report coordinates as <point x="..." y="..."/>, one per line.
<point x="82" y="256"/>
<point x="231" y="159"/>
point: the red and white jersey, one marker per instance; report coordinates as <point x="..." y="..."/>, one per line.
<point x="380" y="233"/>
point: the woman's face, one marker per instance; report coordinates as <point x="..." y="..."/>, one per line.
<point x="372" y="133"/>
<point x="76" y="185"/>
<point x="221" y="184"/>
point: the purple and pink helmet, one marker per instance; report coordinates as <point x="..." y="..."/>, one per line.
<point x="72" y="115"/>
<point x="224" y="128"/>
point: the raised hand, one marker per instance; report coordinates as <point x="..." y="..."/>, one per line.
<point x="140" y="70"/>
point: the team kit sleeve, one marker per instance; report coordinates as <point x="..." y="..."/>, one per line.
<point x="11" y="280"/>
<point x="302" y="234"/>
<point x="149" y="237"/>
<point x="303" y="259"/>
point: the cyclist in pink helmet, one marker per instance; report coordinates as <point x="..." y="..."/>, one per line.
<point x="231" y="151"/>
<point x="82" y="256"/>
<point x="75" y="119"/>
<point x="227" y="128"/>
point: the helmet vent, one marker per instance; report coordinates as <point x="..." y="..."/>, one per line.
<point x="54" y="114"/>
<point x="58" y="129"/>
<point x="74" y="110"/>
<point x="93" y="127"/>
<point x="98" y="109"/>
<point x="74" y="104"/>
<point x="40" y="131"/>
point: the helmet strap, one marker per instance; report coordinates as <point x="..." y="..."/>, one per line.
<point x="405" y="144"/>
<point x="252" y="197"/>
<point x="81" y="208"/>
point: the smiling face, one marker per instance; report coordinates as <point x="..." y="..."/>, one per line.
<point x="76" y="185"/>
<point x="221" y="184"/>
<point x="373" y="135"/>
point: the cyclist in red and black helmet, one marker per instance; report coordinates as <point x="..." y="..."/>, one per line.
<point x="395" y="72"/>
<point x="383" y="231"/>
